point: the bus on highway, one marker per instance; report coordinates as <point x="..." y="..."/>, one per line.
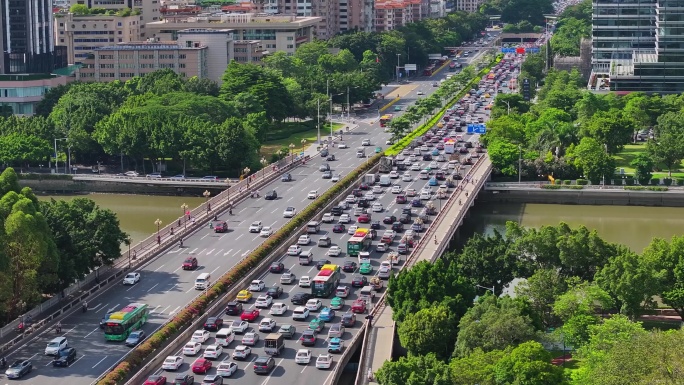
<point x="385" y="119"/>
<point x="326" y="281"/>
<point x="360" y="241"/>
<point x="121" y="323"/>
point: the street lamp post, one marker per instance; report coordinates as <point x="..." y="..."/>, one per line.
<point x="487" y="288"/>
<point x="184" y="207"/>
<point x="206" y="195"/>
<point x="264" y="163"/>
<point x="292" y="146"/>
<point x="128" y="242"/>
<point x="519" y="164"/>
<point x="56" y="160"/>
<point x="303" y="143"/>
<point x="158" y="222"/>
<point x="398" y="55"/>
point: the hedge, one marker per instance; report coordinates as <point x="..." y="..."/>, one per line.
<point x="558" y="187"/>
<point x="45" y="176"/>
<point x="645" y="188"/>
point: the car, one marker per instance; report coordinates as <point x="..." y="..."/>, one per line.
<point x="344" y="218"/>
<point x="184" y="379"/>
<point x="213" y="352"/>
<point x="264" y="365"/>
<point x="190" y="263"/>
<point x="226" y="368"/>
<point x="327" y="175"/>
<point x="336" y="178"/>
<point x="210" y="177"/>
<point x="289" y="212"/>
<point x="359" y="281"/>
<point x="406" y="177"/>
<point x="396" y="189"/>
<point x="244" y="296"/>
<point x="131" y="278"/>
<point x="417" y="202"/>
<point x="338" y="228"/>
<point x="271" y="195"/>
<point x="278" y="308"/>
<point x="250" y="315"/>
<point x="342" y="145"/>
<point x="305" y="281"/>
<point x="201" y="366"/>
<point x="334" y="251"/>
<point x="135" y="338"/>
<point x="65" y="357"/>
<point x="192" y="348"/>
<point x="303" y="356"/>
<point x="330" y="158"/>
<point x="350" y="199"/>
<point x="287" y="331"/>
<point x="313" y="194"/>
<point x="274" y="291"/>
<point x="257" y="285"/>
<point x="327" y="314"/>
<point x="308" y="338"/>
<point x="294" y="250"/>
<point x="375" y="225"/>
<point x="364" y="218"/>
<point x="381" y="247"/>
<point x="213" y="324"/>
<point x="200" y="336"/>
<point x="276" y="267"/>
<point x="398" y="226"/>
<point x="241" y="352"/>
<point x="348" y="320"/>
<point x="286" y="177"/>
<point x="255" y="227"/>
<point x="212" y="379"/>
<point x="173" y="363"/>
<point x="349" y="266"/>
<point x="304" y="239"/>
<point x="233" y="308"/>
<point x="300" y="298"/>
<point x="393" y="174"/>
<point x="287" y="278"/>
<point x="327" y="218"/>
<point x="300" y="313"/>
<point x="155" y="379"/>
<point x="335" y="345"/>
<point x="336" y="331"/>
<point x="267" y="325"/>
<point x="263" y="302"/>
<point x="388" y="220"/>
<point x="324" y="361"/>
<point x="266" y="231"/>
<point x="358" y="306"/>
<point x="322" y="262"/>
<point x="411" y="192"/>
<point x="239" y="326"/>
<point x="369" y="196"/>
<point x="314" y="304"/>
<point x="366" y="269"/>
<point x="250" y="339"/>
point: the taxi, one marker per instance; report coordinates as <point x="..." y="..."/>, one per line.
<point x="244" y="296"/>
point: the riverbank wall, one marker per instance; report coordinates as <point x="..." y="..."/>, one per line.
<point x="82" y="187"/>
<point x="614" y="197"/>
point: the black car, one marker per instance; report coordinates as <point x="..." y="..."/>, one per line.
<point x="373" y="234"/>
<point x="349" y="267"/>
<point x="406" y="210"/>
<point x="357" y="193"/>
<point x="388" y="220"/>
<point x="375" y="225"/>
<point x="183" y="379"/>
<point x="213" y="324"/>
<point x="264" y="365"/>
<point x="405" y="218"/>
<point x="321" y="262"/>
<point x="338" y="228"/>
<point x="308" y="338"/>
<point x="349" y="320"/>
<point x="416" y="203"/>
<point x="300" y="298"/>
<point x="427" y="157"/>
<point x="234" y="308"/>
<point x="275" y="291"/>
<point x="324" y="167"/>
<point x="286" y="177"/>
<point x="271" y="195"/>
<point x="398" y="226"/>
<point x="330" y="158"/>
<point x="359" y="281"/>
<point x="363" y="203"/>
<point x="337" y="210"/>
<point x="277" y="267"/>
<point x="65" y="357"/>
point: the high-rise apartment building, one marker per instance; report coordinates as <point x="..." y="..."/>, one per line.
<point x="468" y="5"/>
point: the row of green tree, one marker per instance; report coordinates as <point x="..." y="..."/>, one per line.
<point x="572" y="281"/>
<point x="515" y="11"/>
<point x="48" y="245"/>
<point x="573" y="25"/>
<point x="571" y="132"/>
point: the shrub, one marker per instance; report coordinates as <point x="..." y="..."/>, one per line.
<point x="558" y="182"/>
<point x="551" y="186"/>
<point x="657" y="188"/>
<point x="680" y="181"/>
<point x="667" y="181"/>
<point x="635" y="188"/>
<point x="582" y="182"/>
<point x="617" y="180"/>
<point x="655" y="181"/>
<point x="567" y="182"/>
<point x="629" y="180"/>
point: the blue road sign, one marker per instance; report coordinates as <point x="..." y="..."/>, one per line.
<point x="476" y="128"/>
<point x="532" y="50"/>
<point x="508" y="50"/>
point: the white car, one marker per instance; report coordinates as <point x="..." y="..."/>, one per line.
<point x="433" y="165"/>
<point x="377" y="207"/>
<point x="314" y="304"/>
<point x="396" y="189"/>
<point x="344" y="218"/>
<point x="350" y="199"/>
<point x="241" y="352"/>
<point x="267" y="325"/>
<point x="381" y="247"/>
<point x="424" y="195"/>
<point x="393" y="174"/>
<point x="239" y="326"/>
<point x="303" y="356"/>
<point x="300" y="313"/>
<point x="294" y="250"/>
<point x="386" y="264"/>
<point x="358" y="211"/>
<point x="336" y="178"/>
<point x="336" y="331"/>
<point x="324" y="361"/>
<point x="289" y="212"/>
<point x="213" y="352"/>
<point x="200" y="336"/>
<point x="278" y="308"/>
<point x="226" y="368"/>
<point x="366" y="142"/>
<point x="313" y="194"/>
<point x="342" y="145"/>
<point x="250" y="339"/>
<point x="266" y="231"/>
<point x="342" y="292"/>
<point x="172" y="363"/>
<point x="343" y="205"/>
<point x="255" y="227"/>
<point x="304" y="239"/>
<point x="352" y="229"/>
<point x="263" y="302"/>
<point x="334" y="251"/>
<point x="257" y="285"/>
<point x="377" y="190"/>
<point x="369" y="196"/>
<point x="192" y="348"/>
<point x="131" y="278"/>
<point x="287" y="278"/>
<point x="328" y="218"/>
<point x="415" y="167"/>
<point x="305" y="281"/>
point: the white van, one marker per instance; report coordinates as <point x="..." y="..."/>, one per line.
<point x="53" y="347"/>
<point x="203" y="281"/>
<point x="364" y="257"/>
<point x="367" y="294"/>
<point x="225" y="336"/>
<point x="424" y="175"/>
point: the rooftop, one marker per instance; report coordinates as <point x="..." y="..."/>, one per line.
<point x="145" y="45"/>
<point x="238" y="18"/>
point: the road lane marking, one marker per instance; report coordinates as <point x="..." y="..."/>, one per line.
<point x="217" y="267"/>
<point x="274" y="210"/>
<point x="150" y="289"/>
<point x="88" y="335"/>
<point x="193" y="250"/>
<point x="219" y="252"/>
<point x="237" y="252"/>
<point x="155" y="309"/>
<point x="210" y="251"/>
<point x="174" y="311"/>
<point x="164" y="310"/>
<point x="206" y="235"/>
<point x="249" y="363"/>
<point x="99" y="362"/>
<point x="271" y="374"/>
<point x="227" y="252"/>
<point x="239" y="236"/>
<point x="178" y="268"/>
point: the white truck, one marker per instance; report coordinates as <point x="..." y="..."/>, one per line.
<point x="385" y="180"/>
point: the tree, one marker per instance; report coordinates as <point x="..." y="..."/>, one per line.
<point x="476" y="368"/>
<point x="643" y="166"/>
<point x="505" y="156"/>
<point x="160" y="82"/>
<point x="430" y="330"/>
<point x="668" y="145"/>
<point x="591" y="157"/>
<point x="611" y="129"/>
<point x="581" y="298"/>
<point x="201" y="86"/>
<point x="265" y="83"/>
<point x="669" y="270"/>
<point x="541" y="290"/>
<point x="529" y="363"/>
<point x="19" y="149"/>
<point x="568" y="34"/>
<point x="493" y="324"/>
<point x="414" y="370"/>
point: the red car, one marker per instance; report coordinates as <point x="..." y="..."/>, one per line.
<point x="249" y="315"/>
<point x="155" y="380"/>
<point x="220" y="227"/>
<point x="364" y="218"/>
<point x="401" y="199"/>
<point x="190" y="263"/>
<point x="364" y="186"/>
<point x="200" y="366"/>
<point x="358" y="306"/>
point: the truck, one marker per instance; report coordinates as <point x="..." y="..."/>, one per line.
<point x="274" y="343"/>
<point x="369" y="179"/>
<point x="385" y="180"/>
<point x="386" y="165"/>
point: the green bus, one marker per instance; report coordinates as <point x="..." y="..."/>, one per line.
<point x="121" y="323"/>
<point x="326" y="281"/>
<point x="360" y="241"/>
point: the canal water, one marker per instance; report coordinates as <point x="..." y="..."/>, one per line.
<point x="137" y="213"/>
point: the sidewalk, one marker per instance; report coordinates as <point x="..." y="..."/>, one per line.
<point x="383" y="331"/>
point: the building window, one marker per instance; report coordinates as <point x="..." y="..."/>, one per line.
<point x="290" y="46"/>
<point x="290" y="38"/>
<point x="73" y="26"/>
<point x="182" y="56"/>
<point x="181" y="65"/>
<point x="84" y="26"/>
<point x="61" y="24"/>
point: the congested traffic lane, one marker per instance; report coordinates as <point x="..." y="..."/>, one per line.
<point x="166" y="288"/>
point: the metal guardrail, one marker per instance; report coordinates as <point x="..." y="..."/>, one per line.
<point x="146" y="179"/>
<point x="540" y="184"/>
